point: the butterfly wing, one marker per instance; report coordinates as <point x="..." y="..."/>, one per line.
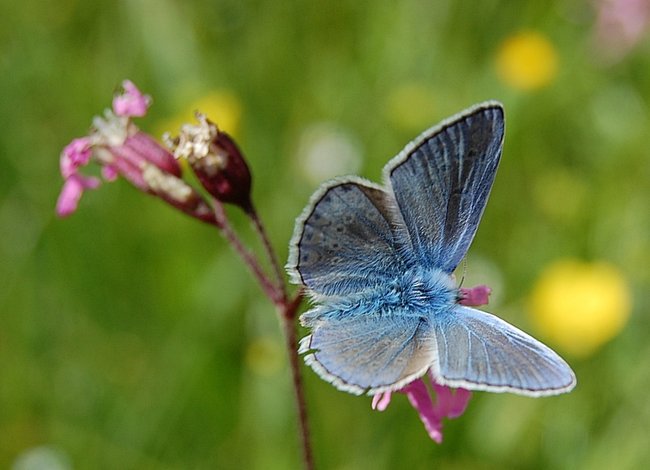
<point x="343" y="242"/>
<point x="367" y="352"/>
<point x="441" y="182"/>
<point x="479" y="351"/>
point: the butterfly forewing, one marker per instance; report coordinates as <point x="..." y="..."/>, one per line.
<point x="441" y="183"/>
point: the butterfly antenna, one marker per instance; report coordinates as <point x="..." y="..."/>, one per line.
<point x="462" y="279"/>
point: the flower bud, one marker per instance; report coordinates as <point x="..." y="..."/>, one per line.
<point x="216" y="160"/>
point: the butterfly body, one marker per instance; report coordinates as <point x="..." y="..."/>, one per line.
<point x="378" y="262"/>
<point x="417" y="293"/>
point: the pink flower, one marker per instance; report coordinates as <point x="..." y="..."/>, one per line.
<point x="71" y="193"/>
<point x="132" y="103"/>
<point x="120" y="148"/>
<point x="450" y="403"/>
<point x="620" y="25"/>
<point x="76" y="154"/>
<point x="475" y="296"/>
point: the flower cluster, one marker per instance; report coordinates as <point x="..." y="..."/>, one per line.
<point x="120" y="148"/>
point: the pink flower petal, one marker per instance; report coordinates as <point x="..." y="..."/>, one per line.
<point x="450" y="403"/>
<point x="109" y="173"/>
<point x="129" y="164"/>
<point x="72" y="190"/>
<point x="381" y="401"/>
<point x="475" y="296"/>
<point x="76" y="154"/>
<point x="69" y="197"/>
<point x="153" y="152"/>
<point x="89" y="182"/>
<point x="460" y="402"/>
<point x="132" y="103"/>
<point x="621" y="24"/>
<point x="444" y="398"/>
<point x="418" y="395"/>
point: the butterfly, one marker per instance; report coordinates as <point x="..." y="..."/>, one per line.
<point x="378" y="262"/>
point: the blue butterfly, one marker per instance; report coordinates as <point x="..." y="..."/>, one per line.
<point x="378" y="261"/>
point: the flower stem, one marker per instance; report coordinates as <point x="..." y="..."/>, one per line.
<point x="268" y="248"/>
<point x="270" y="290"/>
<point x="287" y="309"/>
<point x="288" y="321"/>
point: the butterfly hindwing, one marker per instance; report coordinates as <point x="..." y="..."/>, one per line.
<point x="441" y="182"/>
<point x="367" y="352"/>
<point x="479" y="351"/>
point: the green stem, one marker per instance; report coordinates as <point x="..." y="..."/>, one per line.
<point x="269" y="289"/>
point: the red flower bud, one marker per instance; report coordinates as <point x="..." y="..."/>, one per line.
<point x="217" y="162"/>
<point x="231" y="183"/>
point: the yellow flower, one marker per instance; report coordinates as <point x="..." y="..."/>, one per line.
<point x="221" y="107"/>
<point x="527" y="61"/>
<point x="580" y="306"/>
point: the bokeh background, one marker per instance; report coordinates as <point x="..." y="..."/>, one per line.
<point x="131" y="336"/>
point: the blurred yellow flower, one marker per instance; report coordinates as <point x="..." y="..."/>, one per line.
<point x="220" y="106"/>
<point x="264" y="356"/>
<point x="527" y="61"/>
<point x="580" y="306"/>
<point x="411" y="107"/>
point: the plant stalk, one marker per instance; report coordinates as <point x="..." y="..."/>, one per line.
<point x="289" y="325"/>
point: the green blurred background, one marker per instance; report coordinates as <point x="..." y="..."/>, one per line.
<point x="131" y="336"/>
